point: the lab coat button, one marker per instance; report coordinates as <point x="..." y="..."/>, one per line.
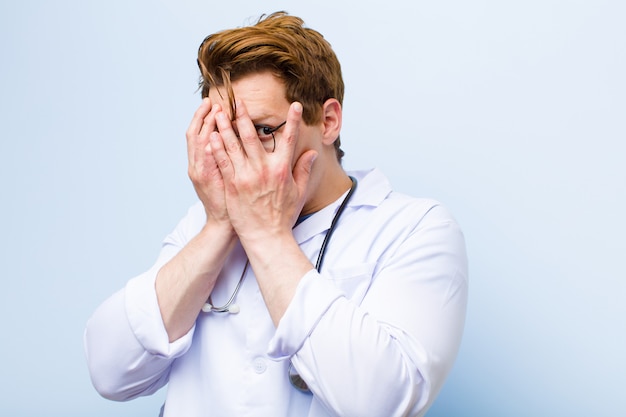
<point x="259" y="365"/>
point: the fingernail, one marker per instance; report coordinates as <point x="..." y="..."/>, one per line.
<point x="297" y="107"/>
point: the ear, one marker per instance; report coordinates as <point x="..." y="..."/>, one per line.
<point x="331" y="113"/>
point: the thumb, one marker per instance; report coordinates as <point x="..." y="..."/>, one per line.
<point x="302" y="169"/>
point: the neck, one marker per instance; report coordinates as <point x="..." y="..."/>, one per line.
<point x="326" y="189"/>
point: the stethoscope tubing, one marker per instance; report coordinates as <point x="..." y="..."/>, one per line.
<point x="226" y="308"/>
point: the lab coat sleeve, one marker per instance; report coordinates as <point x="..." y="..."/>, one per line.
<point x="389" y="352"/>
<point x="126" y="344"/>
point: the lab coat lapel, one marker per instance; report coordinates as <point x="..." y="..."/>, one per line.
<point x="372" y="188"/>
<point x="316" y="224"/>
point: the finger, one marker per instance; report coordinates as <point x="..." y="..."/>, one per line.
<point x="247" y="133"/>
<point x="205" y="164"/>
<point x="210" y="170"/>
<point x="202" y="139"/>
<point x="198" y="117"/>
<point x="286" y="146"/>
<point x="194" y="127"/>
<point x="221" y="156"/>
<point x="198" y="142"/>
<point x="208" y="123"/>
<point x="302" y="170"/>
<point x="228" y="139"/>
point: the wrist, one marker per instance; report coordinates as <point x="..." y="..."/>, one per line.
<point x="216" y="227"/>
<point x="274" y="251"/>
<point x="279" y="264"/>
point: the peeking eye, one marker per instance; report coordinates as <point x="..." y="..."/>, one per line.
<point x="264" y="132"/>
<point x="267" y="132"/>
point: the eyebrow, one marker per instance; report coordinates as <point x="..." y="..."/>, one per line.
<point x="270" y="125"/>
<point x="262" y="119"/>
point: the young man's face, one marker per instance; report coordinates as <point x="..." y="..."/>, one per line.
<point x="264" y="97"/>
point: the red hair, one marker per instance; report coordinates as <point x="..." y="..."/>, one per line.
<point x="278" y="43"/>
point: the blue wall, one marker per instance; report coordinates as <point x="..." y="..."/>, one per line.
<point x="511" y="113"/>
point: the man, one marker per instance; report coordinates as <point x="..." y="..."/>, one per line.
<point x="345" y="298"/>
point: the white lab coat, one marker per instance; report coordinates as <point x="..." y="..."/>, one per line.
<point x="374" y="334"/>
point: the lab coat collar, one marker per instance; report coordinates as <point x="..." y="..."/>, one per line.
<point x="372" y="188"/>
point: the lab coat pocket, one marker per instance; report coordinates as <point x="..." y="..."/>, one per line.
<point x="353" y="280"/>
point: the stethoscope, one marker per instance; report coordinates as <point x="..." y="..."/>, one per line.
<point x="233" y="308"/>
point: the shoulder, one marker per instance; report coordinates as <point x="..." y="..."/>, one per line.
<point x="375" y="195"/>
<point x="189" y="226"/>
